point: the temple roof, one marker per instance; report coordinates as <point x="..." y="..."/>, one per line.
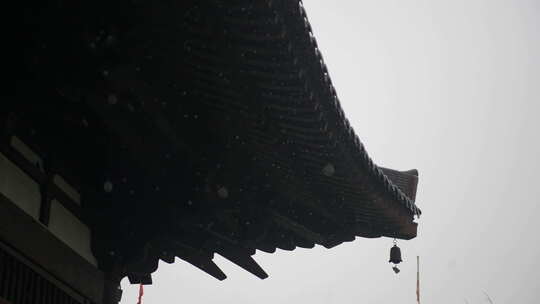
<point x="214" y="127"/>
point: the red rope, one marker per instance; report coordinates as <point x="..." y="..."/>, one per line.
<point x="141" y="293"/>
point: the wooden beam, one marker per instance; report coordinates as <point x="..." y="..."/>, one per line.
<point x="27" y="236"/>
<point x="262" y="246"/>
<point x="201" y="259"/>
<point x="48" y="188"/>
<point x="243" y="260"/>
<point x="205" y="264"/>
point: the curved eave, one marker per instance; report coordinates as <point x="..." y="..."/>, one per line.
<point x="312" y="67"/>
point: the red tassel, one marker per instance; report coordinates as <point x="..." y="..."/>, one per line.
<point x="141" y="293"/>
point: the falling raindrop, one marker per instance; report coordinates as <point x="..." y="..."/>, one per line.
<point x="112" y="99"/>
<point x="329" y="169"/>
<point x="223" y="192"/>
<point x="108" y="186"/>
<point x="109" y="39"/>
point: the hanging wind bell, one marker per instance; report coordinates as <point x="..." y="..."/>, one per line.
<point x="395" y="256"/>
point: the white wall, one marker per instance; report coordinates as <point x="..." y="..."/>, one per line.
<point x="24" y="192"/>
<point x="19" y="187"/>
<point x="68" y="228"/>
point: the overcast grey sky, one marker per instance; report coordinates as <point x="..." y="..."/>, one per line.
<point x="450" y="88"/>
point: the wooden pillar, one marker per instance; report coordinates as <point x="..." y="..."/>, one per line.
<point x="7" y="124"/>
<point x="112" y="293"/>
<point x="45" y="191"/>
